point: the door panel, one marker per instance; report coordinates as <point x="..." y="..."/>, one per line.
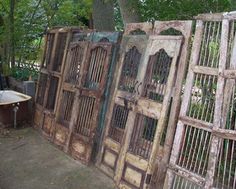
<point x="132" y="48"/>
<point x="89" y="99"/>
<point x="158" y="76"/>
<point x="196" y="145"/>
<point x="143" y="91"/>
<point x="71" y="80"/>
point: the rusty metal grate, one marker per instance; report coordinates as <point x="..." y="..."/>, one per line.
<point x="73" y="72"/>
<point x="42" y="84"/>
<point x="210" y="46"/>
<point x="225" y="175"/>
<point x="130" y="70"/>
<point x="156" y="76"/>
<point x="202" y="101"/>
<point x="96" y="68"/>
<point x="195" y="150"/>
<point x="182" y="183"/>
<point x="59" y="52"/>
<point x="231" y="113"/>
<point x="66" y="107"/>
<point x="52" y="93"/>
<point x="48" y="50"/>
<point x="118" y="122"/>
<point x="84" y="121"/>
<point x="143" y="136"/>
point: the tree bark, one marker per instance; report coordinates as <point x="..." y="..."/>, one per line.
<point x="129" y="11"/>
<point x="12" y="43"/>
<point x="103" y="15"/>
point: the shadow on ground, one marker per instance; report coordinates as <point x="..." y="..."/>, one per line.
<point x="28" y="161"/>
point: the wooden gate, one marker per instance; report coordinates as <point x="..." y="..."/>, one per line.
<point x="140" y="107"/>
<point x="89" y="97"/>
<point x="196" y="159"/>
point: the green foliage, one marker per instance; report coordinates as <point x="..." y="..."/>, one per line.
<point x="180" y="9"/>
<point x="23" y="74"/>
<point x="31" y="20"/>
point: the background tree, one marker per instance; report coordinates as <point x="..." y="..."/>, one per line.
<point x="103" y="15"/>
<point x="24" y="23"/>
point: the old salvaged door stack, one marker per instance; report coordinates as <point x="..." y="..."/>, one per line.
<point x="50" y="78"/>
<point x="76" y="90"/>
<point x="203" y="154"/>
<point x="139" y="110"/>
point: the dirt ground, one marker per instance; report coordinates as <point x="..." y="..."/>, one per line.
<point x="28" y="161"/>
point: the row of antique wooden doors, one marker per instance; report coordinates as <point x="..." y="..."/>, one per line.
<point x="70" y="101"/>
<point x="124" y="123"/>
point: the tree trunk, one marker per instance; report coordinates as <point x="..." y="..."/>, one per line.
<point x="12" y="43"/>
<point x="103" y="15"/>
<point x="129" y="11"/>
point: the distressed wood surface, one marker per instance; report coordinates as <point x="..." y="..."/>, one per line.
<point x="145" y="28"/>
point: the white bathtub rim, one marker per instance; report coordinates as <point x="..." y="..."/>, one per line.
<point x="20" y="95"/>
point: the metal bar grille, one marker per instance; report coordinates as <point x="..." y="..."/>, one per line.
<point x="96" y="68"/>
<point x="59" y="52"/>
<point x="230" y="42"/>
<point x="118" y="122"/>
<point x="86" y="111"/>
<point x="73" y="72"/>
<point x="66" y="107"/>
<point x="156" y="76"/>
<point x="182" y="183"/>
<point x="225" y="175"/>
<point x="130" y="70"/>
<point x="42" y="84"/>
<point x="202" y="102"/>
<point x="48" y="51"/>
<point x="195" y="150"/>
<point x="209" y="52"/>
<point x="231" y="113"/>
<point x="52" y="93"/>
<point x="143" y="135"/>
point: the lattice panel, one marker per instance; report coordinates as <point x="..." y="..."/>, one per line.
<point x="66" y="107"/>
<point x="86" y="111"/>
<point x="118" y="122"/>
<point x="130" y="70"/>
<point x="209" y="52"/>
<point x="142" y="136"/>
<point x="231" y="113"/>
<point x="225" y="175"/>
<point x="48" y="50"/>
<point x="182" y="183"/>
<point x="52" y="93"/>
<point x="156" y="76"/>
<point x="42" y="84"/>
<point x="76" y="57"/>
<point x="202" y="102"/>
<point x="191" y="153"/>
<point x="195" y="150"/>
<point x="59" y="52"/>
<point x="96" y="68"/>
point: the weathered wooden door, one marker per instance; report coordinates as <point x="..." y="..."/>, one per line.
<point x="203" y="150"/>
<point x="88" y="99"/>
<point x="140" y="108"/>
<point x="71" y="80"/>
